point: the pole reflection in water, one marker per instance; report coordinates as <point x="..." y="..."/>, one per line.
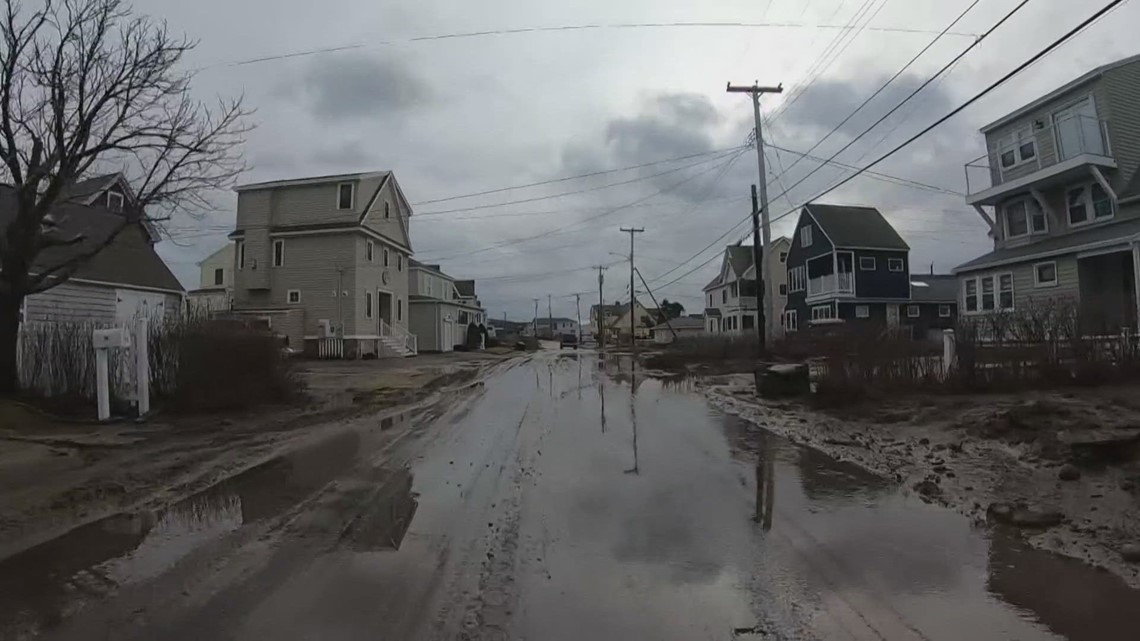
<point x="765" y="483"/>
<point x="633" y="414"/>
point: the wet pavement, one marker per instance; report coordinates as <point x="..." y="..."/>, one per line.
<point x="565" y="498"/>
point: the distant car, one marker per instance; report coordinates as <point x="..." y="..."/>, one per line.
<point x="568" y="340"/>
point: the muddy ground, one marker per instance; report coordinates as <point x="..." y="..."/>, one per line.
<point x="1063" y="464"/>
<point x="56" y="475"/>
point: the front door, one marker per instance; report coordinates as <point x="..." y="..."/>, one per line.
<point x="892" y="315"/>
<point x="384" y="307"/>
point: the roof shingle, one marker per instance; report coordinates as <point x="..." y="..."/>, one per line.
<point x="851" y="226"/>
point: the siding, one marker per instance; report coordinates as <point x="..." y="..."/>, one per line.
<point x="308" y="204"/>
<point x="1025" y="293"/>
<point x="1122" y="108"/>
<point x="369" y="278"/>
<point x="253" y="216"/>
<point x="222" y="259"/>
<point x="424" y="323"/>
<point x="798" y="256"/>
<point x="73" y="302"/>
<point x="389" y="227"/>
<point x="430" y="284"/>
<point x="881" y="283"/>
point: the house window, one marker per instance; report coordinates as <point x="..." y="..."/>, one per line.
<point x="368" y="304"/>
<point x="971" y="295"/>
<point x="821" y="312"/>
<point x="943" y="311"/>
<point x="1017" y="148"/>
<point x="805" y="236"/>
<point x="734" y="290"/>
<point x="867" y="263"/>
<point x="791" y="321"/>
<point x="895" y="264"/>
<point x="293" y="296"/>
<point x="1023" y="217"/>
<point x="723" y="296"/>
<point x="783" y="290"/>
<point x="1045" y="274"/>
<point x="749" y="322"/>
<point x="1088" y="203"/>
<point x="278" y="253"/>
<point x="1005" y="291"/>
<point x="241" y="254"/>
<point x="862" y="311"/>
<point x="219" y="276"/>
<point x="385" y="256"/>
<point x="797" y="276"/>
<point x="913" y="311"/>
<point x="345" y="195"/>
<point x="783" y="257"/>
<point x="399" y="262"/>
<point x="399" y="309"/>
<point x="369" y="250"/>
<point x="988" y="293"/>
<point x="115" y="201"/>
<point x="387" y="210"/>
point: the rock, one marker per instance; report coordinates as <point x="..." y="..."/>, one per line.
<point x="924" y="441"/>
<point x="782" y="380"/>
<point x="1019" y="516"/>
<point x="940" y="469"/>
<point x="956" y="448"/>
<point x="927" y="488"/>
<point x="1069" y="472"/>
<point x="1130" y="552"/>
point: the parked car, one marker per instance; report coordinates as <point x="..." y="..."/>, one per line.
<point x="568" y="340"/>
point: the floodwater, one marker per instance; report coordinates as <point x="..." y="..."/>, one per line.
<point x="567" y="498"/>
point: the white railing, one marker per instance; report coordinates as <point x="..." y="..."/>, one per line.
<point x="330" y="347"/>
<point x="841" y="283"/>
<point x="1070" y="137"/>
<point x="409" y="341"/>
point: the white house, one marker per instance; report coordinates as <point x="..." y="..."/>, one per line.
<point x="663" y="334"/>
<point x="216" y="282"/>
<point x="731" y="298"/>
<point x="439" y="314"/>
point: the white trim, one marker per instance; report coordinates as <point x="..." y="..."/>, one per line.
<point x="1037" y="282"/>
<point x="385" y="256"/>
<point x="995" y="194"/>
<point x="913" y="308"/>
<point x="822" y="312"/>
<point x="806" y="236"/>
<point x="369" y="250"/>
<point x="901" y="263"/>
<point x="948" y="308"/>
<point x="368" y="304"/>
<point x="792" y="320"/>
<point x="142" y="288"/>
<point x="874" y="264"/>
<point x="1025" y="202"/>
<point x="1089" y="205"/>
<point x="1015" y="144"/>
<point x="278" y="243"/>
<point x="240" y="247"/>
<point x="318" y="180"/>
<point x="122" y="201"/>
<point x="979" y="282"/>
<point x="289" y="295"/>
<point x="351" y="199"/>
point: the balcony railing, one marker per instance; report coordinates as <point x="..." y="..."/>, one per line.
<point x="839" y="283"/>
<point x="1046" y="146"/>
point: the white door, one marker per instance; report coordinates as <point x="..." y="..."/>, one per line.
<point x="1078" y="131"/>
<point x="892" y="315"/>
<point x="131" y="304"/>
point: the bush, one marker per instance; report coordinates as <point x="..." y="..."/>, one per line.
<point x="857" y="362"/>
<point x="707" y="349"/>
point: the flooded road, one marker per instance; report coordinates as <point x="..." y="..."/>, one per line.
<point x="566" y="498"/>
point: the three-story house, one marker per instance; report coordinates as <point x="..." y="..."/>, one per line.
<point x="731" y="298"/>
<point x="1060" y="191"/>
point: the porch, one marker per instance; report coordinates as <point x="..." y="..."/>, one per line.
<point x="831" y="275"/>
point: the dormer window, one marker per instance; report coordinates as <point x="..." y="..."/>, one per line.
<point x="115" y="201"/>
<point x="345" y="195"/>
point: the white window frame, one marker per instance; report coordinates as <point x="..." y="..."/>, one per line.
<point x="279" y="258"/>
<point x="805" y="236"/>
<point x="351" y="196"/>
<point x="1030" y="209"/>
<point x="822" y="312"/>
<point x="369" y="250"/>
<point x="241" y="253"/>
<point x="1087" y="201"/>
<point x="783" y="289"/>
<point x="944" y="311"/>
<point x="385" y="256"/>
<point x="399" y="262"/>
<point x="219" y="276"/>
<point x="1014" y="141"/>
<point x="913" y="311"/>
<point x="399" y="309"/>
<point x="289" y="297"/>
<point x="863" y="264"/>
<point x="995" y="282"/>
<point x="1012" y="292"/>
<point x="891" y="262"/>
<point x="797" y="279"/>
<point x="792" y="322"/>
<point x="368" y="304"/>
<point x="862" y="311"/>
<point x="122" y="200"/>
<point x="1037" y="282"/>
<point x="966" y="296"/>
<point x="387" y="210"/>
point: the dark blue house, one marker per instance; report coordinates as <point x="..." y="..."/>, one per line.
<point x="846" y="263"/>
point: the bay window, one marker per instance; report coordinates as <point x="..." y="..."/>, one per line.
<point x="1024" y="217"/>
<point x="989" y="293"/>
<point x="1088" y="203"/>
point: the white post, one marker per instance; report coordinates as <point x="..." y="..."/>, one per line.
<point x="142" y="365"/>
<point x="948" y="351"/>
<point x="102" y="383"/>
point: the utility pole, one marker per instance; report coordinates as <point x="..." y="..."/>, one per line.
<point x="755" y="90"/>
<point x="535" y="322"/>
<point x="632" y="292"/>
<point x="761" y="278"/>
<point x="578" y="307"/>
<point x="601" y="308"/>
<point x="549" y="317"/>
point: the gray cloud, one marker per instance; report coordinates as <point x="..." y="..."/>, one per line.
<point x="351" y="87"/>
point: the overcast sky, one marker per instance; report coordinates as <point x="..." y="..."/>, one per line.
<point x="463" y="115"/>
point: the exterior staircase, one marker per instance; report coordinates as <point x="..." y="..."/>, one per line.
<point x="397" y="341"/>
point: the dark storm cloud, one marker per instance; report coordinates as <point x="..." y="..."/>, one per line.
<point x="356" y="86"/>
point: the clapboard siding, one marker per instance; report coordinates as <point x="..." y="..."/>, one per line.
<point x="1122" y="104"/>
<point x="1025" y="292"/>
<point x="72" y="302"/>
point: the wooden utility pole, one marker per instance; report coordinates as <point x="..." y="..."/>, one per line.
<point x="755" y="90"/>
<point x="632" y="292"/>
<point x="549" y="317"/>
<point x="578" y="308"/>
<point x="535" y="322"/>
<point x="601" y="308"/>
<point x="761" y="277"/>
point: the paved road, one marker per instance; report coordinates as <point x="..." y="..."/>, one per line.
<point x="567" y="498"/>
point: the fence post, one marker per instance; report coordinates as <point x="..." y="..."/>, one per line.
<point x="142" y="365"/>
<point x="102" y="383"/>
<point x="949" y="351"/>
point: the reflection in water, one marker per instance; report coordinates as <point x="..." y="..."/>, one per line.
<point x="636" y="469"/>
<point x="765" y="483"/>
<point x="388" y="507"/>
<point x="602" y="395"/>
<point x="825" y="478"/>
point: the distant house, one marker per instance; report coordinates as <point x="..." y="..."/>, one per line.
<point x="124" y="280"/>
<point x="616" y="319"/>
<point x="216" y="281"/>
<point x="684" y="326"/>
<point x="439" y="313"/>
<point x="933" y="305"/>
<point x="503" y="326"/>
<point x="561" y="326"/>
<point x="846" y="263"/>
<point x="1061" y="177"/>
<point x="731" y="299"/>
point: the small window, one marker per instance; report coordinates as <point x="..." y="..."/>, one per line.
<point x="805" y="236"/>
<point x="399" y="309"/>
<point x="822" y="312"/>
<point x="345" y="195"/>
<point x="387" y="210"/>
<point x="783" y="290"/>
<point x="369" y="250"/>
<point x="399" y="262"/>
<point x="867" y="263"/>
<point x="219" y="276"/>
<point x="368" y="304"/>
<point x="115" y="201"/>
<point x="972" y="295"/>
<point x="293" y="296"/>
<point x="1005" y="291"/>
<point x="862" y="311"/>
<point x="943" y="311"/>
<point x="723" y="296"/>
<point x="913" y="311"/>
<point x="278" y="253"/>
<point x="988" y="294"/>
<point x="241" y="254"/>
<point x="792" y="321"/>
<point x="895" y="264"/>
<point x="783" y="257"/>
<point x="385" y="256"/>
<point x="1017" y="148"/>
<point x="1045" y="274"/>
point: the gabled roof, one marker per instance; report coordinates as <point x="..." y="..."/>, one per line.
<point x="435" y="269"/>
<point x="313" y="180"/>
<point x="682" y="323"/>
<point x="712" y="283"/>
<point x="739" y="258"/>
<point x="851" y="226"/>
<point x="128" y="260"/>
<point x="933" y="288"/>
<point x="85" y="191"/>
<point x="1107" y="234"/>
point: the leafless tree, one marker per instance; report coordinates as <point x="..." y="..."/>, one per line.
<point x="89" y="86"/>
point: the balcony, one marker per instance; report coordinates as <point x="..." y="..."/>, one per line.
<point x="841" y="283"/>
<point x="1058" y="153"/>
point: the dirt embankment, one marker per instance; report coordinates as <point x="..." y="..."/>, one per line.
<point x="1061" y="468"/>
<point x="56" y="475"/>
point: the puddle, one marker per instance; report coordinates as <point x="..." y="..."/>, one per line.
<point x="42" y="585"/>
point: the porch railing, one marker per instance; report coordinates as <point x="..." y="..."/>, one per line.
<point x="402" y="336"/>
<point x="838" y="283"/>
